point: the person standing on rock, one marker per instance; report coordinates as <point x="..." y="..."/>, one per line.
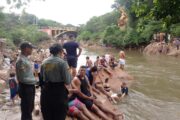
<point x="71" y="53"/>
<point x="26" y="81"/>
<point x="54" y="75"/>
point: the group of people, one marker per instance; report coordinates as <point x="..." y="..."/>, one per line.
<point x="63" y="90"/>
<point x="107" y="60"/>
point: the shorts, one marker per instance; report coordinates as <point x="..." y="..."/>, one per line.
<point x="72" y="109"/>
<point x="72" y="61"/>
<point x="122" y="62"/>
<point x="13" y="92"/>
<point x="74" y="105"/>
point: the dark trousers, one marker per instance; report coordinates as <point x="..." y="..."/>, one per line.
<point x="54" y="102"/>
<point x="27" y="94"/>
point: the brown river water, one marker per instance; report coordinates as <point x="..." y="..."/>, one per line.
<point x="155" y="92"/>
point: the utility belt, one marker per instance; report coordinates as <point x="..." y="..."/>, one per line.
<point x="26" y="85"/>
<point x="57" y="87"/>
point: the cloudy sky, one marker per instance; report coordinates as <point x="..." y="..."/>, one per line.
<point x="69" y="11"/>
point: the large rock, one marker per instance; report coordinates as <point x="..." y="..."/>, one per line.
<point x="2" y="85"/>
<point x="4" y="74"/>
<point x="157" y="48"/>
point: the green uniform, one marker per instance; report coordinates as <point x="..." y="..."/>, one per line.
<point x="54" y="94"/>
<point x="24" y="71"/>
<point x="26" y="86"/>
<point x="55" y="70"/>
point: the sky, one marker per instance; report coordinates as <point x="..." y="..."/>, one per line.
<point x="69" y="11"/>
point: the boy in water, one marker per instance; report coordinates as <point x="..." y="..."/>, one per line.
<point x="124" y="89"/>
<point x="13" y="87"/>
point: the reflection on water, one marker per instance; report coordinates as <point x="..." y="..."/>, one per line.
<point x="155" y="93"/>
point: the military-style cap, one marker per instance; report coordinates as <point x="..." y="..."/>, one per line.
<point x="26" y="45"/>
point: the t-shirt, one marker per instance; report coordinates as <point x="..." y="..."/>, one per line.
<point x="12" y="83"/>
<point x="71" y="48"/>
<point x="24" y="71"/>
<point x="36" y="66"/>
<point x="55" y="70"/>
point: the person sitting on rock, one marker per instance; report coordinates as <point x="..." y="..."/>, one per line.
<point x="81" y="83"/>
<point x="115" y="97"/>
<point x="77" y="108"/>
<point x="92" y="75"/>
<point x="103" y="62"/>
<point x="112" y="62"/>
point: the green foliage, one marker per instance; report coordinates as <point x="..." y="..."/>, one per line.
<point x="26" y="18"/>
<point x="46" y="23"/>
<point x="145" y="17"/>
<point x="120" y="38"/>
<point x="175" y="29"/>
<point x="19" y="28"/>
<point x="167" y="10"/>
<point x="94" y="29"/>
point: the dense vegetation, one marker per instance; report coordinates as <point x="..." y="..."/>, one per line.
<point x="145" y="17"/>
<point x="17" y="28"/>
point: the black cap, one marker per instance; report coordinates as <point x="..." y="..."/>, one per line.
<point x="55" y="49"/>
<point x="26" y="45"/>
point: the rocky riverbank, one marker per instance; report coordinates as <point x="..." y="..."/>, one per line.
<point x="160" y="48"/>
<point x="10" y="112"/>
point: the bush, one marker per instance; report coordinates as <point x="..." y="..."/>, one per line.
<point x="175" y="29"/>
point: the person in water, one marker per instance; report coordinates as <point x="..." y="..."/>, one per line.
<point x="122" y="61"/>
<point x="124" y="89"/>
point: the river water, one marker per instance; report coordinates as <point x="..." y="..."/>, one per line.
<point x="155" y="92"/>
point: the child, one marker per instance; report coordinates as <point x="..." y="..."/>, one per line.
<point x="36" y="68"/>
<point x="13" y="87"/>
<point x="124" y="89"/>
<point x="122" y="59"/>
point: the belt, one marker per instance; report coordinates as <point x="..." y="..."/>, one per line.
<point x="53" y="83"/>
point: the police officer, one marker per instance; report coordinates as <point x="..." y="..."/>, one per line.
<point x="54" y="76"/>
<point x="26" y="81"/>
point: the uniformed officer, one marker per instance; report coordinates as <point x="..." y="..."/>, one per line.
<point x="54" y="76"/>
<point x="26" y="81"/>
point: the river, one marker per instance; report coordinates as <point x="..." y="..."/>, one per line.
<point x="155" y="92"/>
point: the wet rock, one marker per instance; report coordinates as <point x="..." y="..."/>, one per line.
<point x="158" y="48"/>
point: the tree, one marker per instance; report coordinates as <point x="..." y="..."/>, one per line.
<point x="167" y="11"/>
